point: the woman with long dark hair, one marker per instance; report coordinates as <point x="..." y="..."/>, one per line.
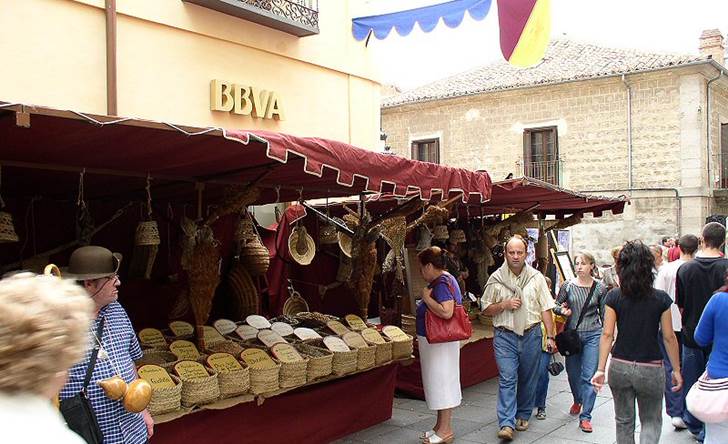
<point x="635" y="372"/>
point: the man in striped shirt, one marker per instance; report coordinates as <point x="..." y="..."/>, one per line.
<point x="96" y="270"/>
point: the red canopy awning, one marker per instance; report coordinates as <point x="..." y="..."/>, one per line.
<point x="58" y="142"/>
<point x="524" y="193"/>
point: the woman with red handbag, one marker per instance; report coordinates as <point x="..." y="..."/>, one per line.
<point x="440" y="361"/>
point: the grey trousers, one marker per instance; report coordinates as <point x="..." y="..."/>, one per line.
<point x="630" y="382"/>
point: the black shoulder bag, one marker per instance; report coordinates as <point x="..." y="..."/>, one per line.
<point x="77" y="410"/>
<point x="568" y="341"/>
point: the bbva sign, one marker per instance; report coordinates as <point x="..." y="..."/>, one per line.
<point x="245" y="100"/>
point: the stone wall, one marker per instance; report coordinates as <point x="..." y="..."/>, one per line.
<point x="668" y="144"/>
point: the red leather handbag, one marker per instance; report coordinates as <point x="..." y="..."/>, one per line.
<point x="457" y="328"/>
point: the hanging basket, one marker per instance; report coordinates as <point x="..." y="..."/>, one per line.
<point x="295" y="304"/>
<point x="327" y="235"/>
<point x="255" y="256"/>
<point x="7" y="229"/>
<point x="245" y="231"/>
<point x="147" y="233"/>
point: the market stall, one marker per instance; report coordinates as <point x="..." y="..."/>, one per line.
<point x="204" y="284"/>
<point x="476" y="232"/>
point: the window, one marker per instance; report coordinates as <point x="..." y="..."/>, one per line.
<point x="541" y="154"/>
<point x="426" y="150"/>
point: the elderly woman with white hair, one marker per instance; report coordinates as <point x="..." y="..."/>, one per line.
<point x="43" y="331"/>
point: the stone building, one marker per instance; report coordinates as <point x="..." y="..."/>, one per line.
<point x="600" y="120"/>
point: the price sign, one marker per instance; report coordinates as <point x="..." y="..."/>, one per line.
<point x="257" y="358"/>
<point x="246" y="332"/>
<point x="372" y="336"/>
<point x="282" y="328"/>
<point x="181" y="328"/>
<point x="354" y="340"/>
<point x="337" y="327"/>
<point x="395" y="333"/>
<point x="224" y="326"/>
<point x="223" y="362"/>
<point x="156" y="376"/>
<point x="184" y="350"/>
<point x="355" y="322"/>
<point x="152" y="337"/>
<point x="270" y="338"/>
<point x="336" y="344"/>
<point x="304" y="333"/>
<point x="190" y="370"/>
<point x="286" y="353"/>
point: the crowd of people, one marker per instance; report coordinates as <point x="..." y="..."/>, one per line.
<point x="651" y="327"/>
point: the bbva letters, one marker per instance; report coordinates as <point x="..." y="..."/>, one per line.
<point x="245" y="100"/>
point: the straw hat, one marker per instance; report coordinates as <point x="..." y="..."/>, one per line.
<point x="345" y="243"/>
<point x="91" y="262"/>
<point x="457" y="236"/>
<point x="441" y="233"/>
<point x="424" y="238"/>
<point x="301" y="246"/>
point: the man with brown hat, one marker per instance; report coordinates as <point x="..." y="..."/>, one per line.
<point x="111" y="333"/>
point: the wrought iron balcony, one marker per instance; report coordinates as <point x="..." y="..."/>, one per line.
<point x="297" y="17"/>
<point x="547" y="171"/>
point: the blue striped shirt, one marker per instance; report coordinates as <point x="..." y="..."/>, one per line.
<point x="120" y="343"/>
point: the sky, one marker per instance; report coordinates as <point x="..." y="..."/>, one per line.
<point x="652" y="25"/>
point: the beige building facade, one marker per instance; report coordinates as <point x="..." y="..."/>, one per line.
<point x="641" y="132"/>
<point x="55" y="53"/>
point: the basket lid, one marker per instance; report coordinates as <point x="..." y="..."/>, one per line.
<point x="224" y="326"/>
<point x="257" y="321"/>
<point x="337" y="327"/>
<point x="304" y="333"/>
<point x="372" y="336"/>
<point x="282" y="328"/>
<point x="257" y="359"/>
<point x="156" y="376"/>
<point x="181" y="328"/>
<point x="223" y="362"/>
<point x="246" y="332"/>
<point x="394" y="333"/>
<point x="152" y="337"/>
<point x="212" y="336"/>
<point x="270" y="338"/>
<point x="184" y="350"/>
<point x="355" y="322"/>
<point x="286" y="353"/>
<point x="190" y="370"/>
<point x="354" y="340"/>
<point x="336" y="344"/>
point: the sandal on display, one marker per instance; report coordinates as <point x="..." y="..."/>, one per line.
<point x="435" y="439"/>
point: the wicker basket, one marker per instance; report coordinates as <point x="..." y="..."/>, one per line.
<point x="156" y="356"/>
<point x="264" y="380"/>
<point x="255" y="257"/>
<point x="232" y="347"/>
<point x="293" y="374"/>
<point x="233" y="383"/>
<point x="166" y="400"/>
<point x="366" y="356"/>
<point x="7" y="229"/>
<point x="343" y="363"/>
<point x="147" y="233"/>
<point x="320" y="360"/>
<point x="384" y="352"/>
<point x="402" y="349"/>
<point x="200" y="391"/>
<point x="294" y="304"/>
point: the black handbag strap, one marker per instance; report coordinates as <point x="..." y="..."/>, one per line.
<point x="94" y="355"/>
<point x="586" y="304"/>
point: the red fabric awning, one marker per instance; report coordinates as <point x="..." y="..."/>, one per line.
<point x="64" y="141"/>
<point x="514" y="195"/>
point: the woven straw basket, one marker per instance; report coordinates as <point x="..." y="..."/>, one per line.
<point x="7" y="229"/>
<point x="293" y="374"/>
<point x="320" y="360"/>
<point x="366" y="356"/>
<point x="402" y="349"/>
<point x="255" y="257"/>
<point x="166" y="400"/>
<point x="233" y="383"/>
<point x="231" y="346"/>
<point x="343" y="363"/>
<point x="147" y="233"/>
<point x="294" y="304"/>
<point x="384" y="352"/>
<point x="200" y="391"/>
<point x="264" y="381"/>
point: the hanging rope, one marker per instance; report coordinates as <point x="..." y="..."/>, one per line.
<point x="80" y="201"/>
<point x="149" y="197"/>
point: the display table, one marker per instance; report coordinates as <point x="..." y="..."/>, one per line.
<point x="477" y="364"/>
<point x="313" y="414"/>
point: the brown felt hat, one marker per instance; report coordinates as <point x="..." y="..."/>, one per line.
<point x="91" y="262"/>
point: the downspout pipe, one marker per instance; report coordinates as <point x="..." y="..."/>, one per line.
<point x="707" y="126"/>
<point x="111" y="96"/>
<point x="629" y="132"/>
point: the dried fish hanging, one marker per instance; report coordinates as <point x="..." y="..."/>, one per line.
<point x="7" y="229"/>
<point x="146" y="242"/>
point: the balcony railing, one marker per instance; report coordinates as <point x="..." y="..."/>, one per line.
<point x="297" y="17"/>
<point x="547" y="171"/>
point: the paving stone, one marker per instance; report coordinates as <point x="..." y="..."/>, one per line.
<point x="402" y="417"/>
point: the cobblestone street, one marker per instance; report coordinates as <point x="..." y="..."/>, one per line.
<point x="475" y="420"/>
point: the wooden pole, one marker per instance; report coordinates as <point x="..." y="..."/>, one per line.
<point x="111" y="97"/>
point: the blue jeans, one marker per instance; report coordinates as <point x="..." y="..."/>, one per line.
<point x="542" y="388"/>
<point x="674" y="401"/>
<point x="518" y="359"/>
<point x="694" y="361"/>
<point x="581" y="368"/>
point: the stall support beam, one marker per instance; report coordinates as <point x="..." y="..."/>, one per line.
<point x="111" y="97"/>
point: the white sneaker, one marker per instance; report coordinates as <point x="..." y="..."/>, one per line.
<point x="678" y="423"/>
